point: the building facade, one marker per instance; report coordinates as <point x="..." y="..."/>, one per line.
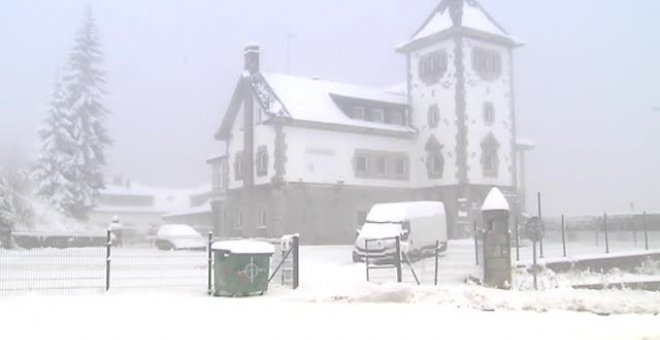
<point x="311" y="156"/>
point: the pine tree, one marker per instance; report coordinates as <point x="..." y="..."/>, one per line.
<point x="68" y="172"/>
<point x="87" y="114"/>
<point x="6" y="205"/>
<point x="57" y="146"/>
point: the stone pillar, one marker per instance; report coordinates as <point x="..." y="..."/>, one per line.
<point x="496" y="241"/>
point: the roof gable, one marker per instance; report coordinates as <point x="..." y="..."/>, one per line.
<point x="451" y="14"/>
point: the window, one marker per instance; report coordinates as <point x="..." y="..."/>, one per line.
<point x="238" y="166"/>
<point x="262" y="161"/>
<point x="433" y="116"/>
<point x="258" y="115"/>
<point x="394" y="117"/>
<point x="435" y="164"/>
<point x="487" y="63"/>
<point x="377" y="115"/>
<point x="357" y="112"/>
<point x="432" y="67"/>
<point x="400" y="166"/>
<point x="263" y="218"/>
<point x="489" y="113"/>
<point x="239" y="220"/>
<point x="489" y="157"/>
<point x="378" y="164"/>
<point x="381" y="165"/>
<point x="361" y="164"/>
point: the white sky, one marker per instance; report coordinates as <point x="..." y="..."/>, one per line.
<point x="586" y="82"/>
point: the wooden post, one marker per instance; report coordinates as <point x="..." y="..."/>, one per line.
<point x="563" y="234"/>
<point x="534" y="265"/>
<point x="108" y="247"/>
<point x="210" y="264"/>
<point x="296" y="261"/>
<point x="366" y="257"/>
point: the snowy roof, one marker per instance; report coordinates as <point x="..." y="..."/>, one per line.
<point x="312" y="100"/>
<point x="164" y="199"/>
<point x="244" y="247"/>
<point x="403" y="211"/>
<point x="204" y="208"/>
<point x="460" y="13"/>
<point x="495" y="201"/>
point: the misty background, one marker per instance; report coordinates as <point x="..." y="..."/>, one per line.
<point x="587" y="82"/>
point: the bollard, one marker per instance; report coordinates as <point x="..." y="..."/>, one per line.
<point x="366" y="257"/>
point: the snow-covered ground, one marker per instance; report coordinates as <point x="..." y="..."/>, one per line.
<point x="334" y="301"/>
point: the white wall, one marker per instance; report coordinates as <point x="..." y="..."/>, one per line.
<point x="234" y="145"/>
<point x="423" y="96"/>
<point x="320" y="156"/>
<point x="499" y="93"/>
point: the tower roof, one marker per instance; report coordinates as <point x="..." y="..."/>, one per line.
<point x="452" y="15"/>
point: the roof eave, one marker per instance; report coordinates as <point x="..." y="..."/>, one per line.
<point x="455" y="31"/>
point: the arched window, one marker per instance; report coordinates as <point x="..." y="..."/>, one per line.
<point x="262" y="161"/>
<point x="489" y="158"/>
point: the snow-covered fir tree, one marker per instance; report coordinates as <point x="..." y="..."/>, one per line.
<point x="57" y="146"/>
<point x="69" y="171"/>
<point x="6" y="207"/>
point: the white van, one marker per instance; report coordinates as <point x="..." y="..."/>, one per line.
<point x="419" y="224"/>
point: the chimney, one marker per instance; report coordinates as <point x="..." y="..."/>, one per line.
<point x="252" y="58"/>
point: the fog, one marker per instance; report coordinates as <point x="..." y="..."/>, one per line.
<point x="587" y="81"/>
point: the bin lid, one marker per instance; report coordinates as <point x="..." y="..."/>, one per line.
<point x="244" y="247"/>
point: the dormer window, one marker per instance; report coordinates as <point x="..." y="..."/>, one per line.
<point x="375" y="115"/>
<point x="357" y="112"/>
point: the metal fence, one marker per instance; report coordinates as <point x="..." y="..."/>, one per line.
<point x="79" y="262"/>
<point x="567" y="236"/>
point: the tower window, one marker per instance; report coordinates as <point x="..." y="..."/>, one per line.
<point x="432" y="66"/>
<point x="487" y="63"/>
<point x="433" y="116"/>
<point x="489" y="113"/>
<point x="489" y="157"/>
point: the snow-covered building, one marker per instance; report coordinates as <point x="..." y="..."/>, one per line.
<point x="312" y="156"/>
<point x="140" y="207"/>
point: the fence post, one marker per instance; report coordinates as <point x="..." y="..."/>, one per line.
<point x="296" y="262"/>
<point x="607" y="241"/>
<point x="646" y="232"/>
<point x="517" y="239"/>
<point x="108" y="246"/>
<point x="366" y="257"/>
<point x="397" y="259"/>
<point x="476" y="244"/>
<point x="435" y="276"/>
<point x="563" y="234"/>
<point x="538" y="197"/>
<point x="210" y="264"/>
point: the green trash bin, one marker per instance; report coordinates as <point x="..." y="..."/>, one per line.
<point x="241" y="267"/>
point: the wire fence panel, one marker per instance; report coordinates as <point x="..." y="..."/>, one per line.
<point x="53" y="263"/>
